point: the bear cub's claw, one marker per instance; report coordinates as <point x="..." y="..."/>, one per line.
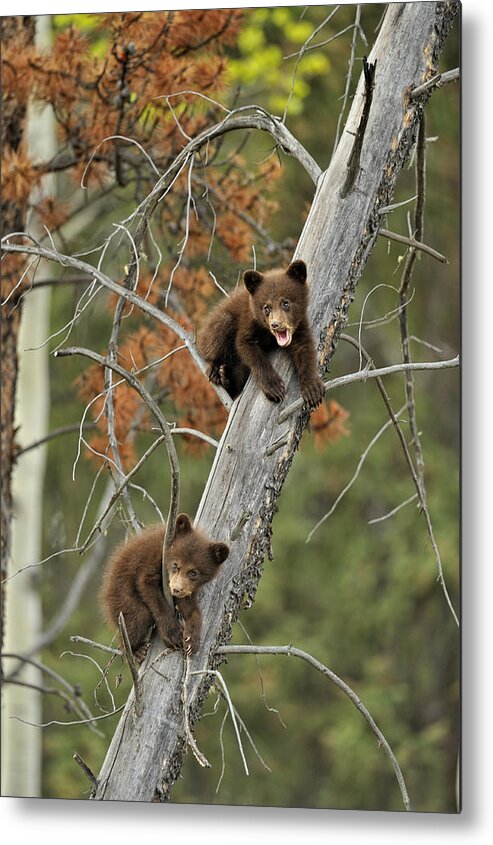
<point x="275" y="390"/>
<point x="314" y="393"/>
<point x="215" y="374"/>
<point x="173" y="635"/>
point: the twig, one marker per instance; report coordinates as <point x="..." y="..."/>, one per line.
<point x="325" y="42"/>
<point x="393" y="511"/>
<point x="164" y="427"/>
<point x="131" y="282"/>
<point x="412" y="470"/>
<point x="247" y="733"/>
<point x="353" y="165"/>
<point x="218" y="675"/>
<point x="187" y="230"/>
<point x="201" y="758"/>
<point x="403" y="296"/>
<point x="368" y="373"/>
<point x="132" y="664"/>
<point x="21" y="569"/>
<point x="120" y="487"/>
<point x="360" y="322"/>
<point x="355" y="475"/>
<point x="74" y="722"/>
<point x="300" y="55"/>
<point x="413" y="244"/>
<point x="116" y="138"/>
<point x="289" y="651"/>
<point x="85" y="768"/>
<point x="107" y="648"/>
<point x="129" y="295"/>
<point x="194" y="432"/>
<point x="77" y="587"/>
<point x="78" y="703"/>
<point x="406" y="353"/>
<point x="57" y="432"/>
<point x="435" y="82"/>
<point x="103" y="673"/>
<point x="261" y="679"/>
<point x="221" y="743"/>
<point x="386" y="209"/>
<point x="349" y="75"/>
<point x="69" y="704"/>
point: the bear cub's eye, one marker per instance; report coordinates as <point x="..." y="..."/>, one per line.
<point x="266" y="310"/>
<point x="285" y="304"/>
<point x="174" y="567"/>
<point x="193" y="574"/>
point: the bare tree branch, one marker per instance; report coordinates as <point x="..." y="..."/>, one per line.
<point x="355" y="475"/>
<point x="134" y="671"/>
<point x="165" y="429"/>
<point x="413" y="244"/>
<point x="129" y="295"/>
<point x="368" y="372"/>
<point x="414" y="475"/>
<point x="292" y="651"/>
<point x="437" y="81"/>
<point x="300" y="55"/>
<point x="78" y="704"/>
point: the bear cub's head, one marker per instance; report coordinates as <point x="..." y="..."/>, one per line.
<point x="192" y="559"/>
<point x="279" y="299"/>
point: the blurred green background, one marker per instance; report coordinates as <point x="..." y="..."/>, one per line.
<point x="363" y="599"/>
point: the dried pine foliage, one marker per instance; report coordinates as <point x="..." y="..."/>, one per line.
<point x="127" y="93"/>
<point x="328" y="423"/>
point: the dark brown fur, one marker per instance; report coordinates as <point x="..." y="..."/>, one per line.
<point x="270" y="311"/>
<point x="132" y="584"/>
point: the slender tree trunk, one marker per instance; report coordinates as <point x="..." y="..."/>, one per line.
<point x="255" y="452"/>
<point x="21" y="744"/>
<point x="13" y="218"/>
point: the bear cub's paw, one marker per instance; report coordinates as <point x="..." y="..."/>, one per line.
<point x="313" y="393"/>
<point x="274" y="388"/>
<point x="141" y="652"/>
<point x="172" y="634"/>
<point x="215" y="374"/>
<point x="191" y="640"/>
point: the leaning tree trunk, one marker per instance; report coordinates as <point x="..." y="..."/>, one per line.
<point x="256" y="450"/>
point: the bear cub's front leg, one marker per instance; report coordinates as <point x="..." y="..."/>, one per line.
<point x="132" y="584"/>
<point x="192" y="619"/>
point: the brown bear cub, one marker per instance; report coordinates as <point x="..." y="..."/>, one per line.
<point x="269" y="312"/>
<point x="132" y="585"/>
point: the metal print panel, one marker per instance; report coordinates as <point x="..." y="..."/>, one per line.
<point x="230" y="406"/>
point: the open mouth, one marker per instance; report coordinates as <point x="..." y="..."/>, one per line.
<point x="283" y="337"/>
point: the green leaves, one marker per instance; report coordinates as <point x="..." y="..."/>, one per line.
<point x="268" y="36"/>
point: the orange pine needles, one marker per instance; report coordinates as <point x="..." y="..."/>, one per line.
<point x="127" y="93"/>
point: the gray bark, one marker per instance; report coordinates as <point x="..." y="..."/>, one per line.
<point x="239" y="500"/>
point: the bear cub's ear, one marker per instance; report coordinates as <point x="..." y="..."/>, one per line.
<point x="220" y="551"/>
<point x="297" y="271"/>
<point x="183" y="524"/>
<point x="252" y="279"/>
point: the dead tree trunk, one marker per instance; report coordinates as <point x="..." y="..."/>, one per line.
<point x="255" y="452"/>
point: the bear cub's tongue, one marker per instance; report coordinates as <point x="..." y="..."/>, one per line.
<point x="283" y="337"/>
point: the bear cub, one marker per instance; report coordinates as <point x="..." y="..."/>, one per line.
<point x="268" y="313"/>
<point x="132" y="584"/>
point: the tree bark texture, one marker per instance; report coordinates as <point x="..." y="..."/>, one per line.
<point x="255" y="452"/>
<point x="12" y="127"/>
